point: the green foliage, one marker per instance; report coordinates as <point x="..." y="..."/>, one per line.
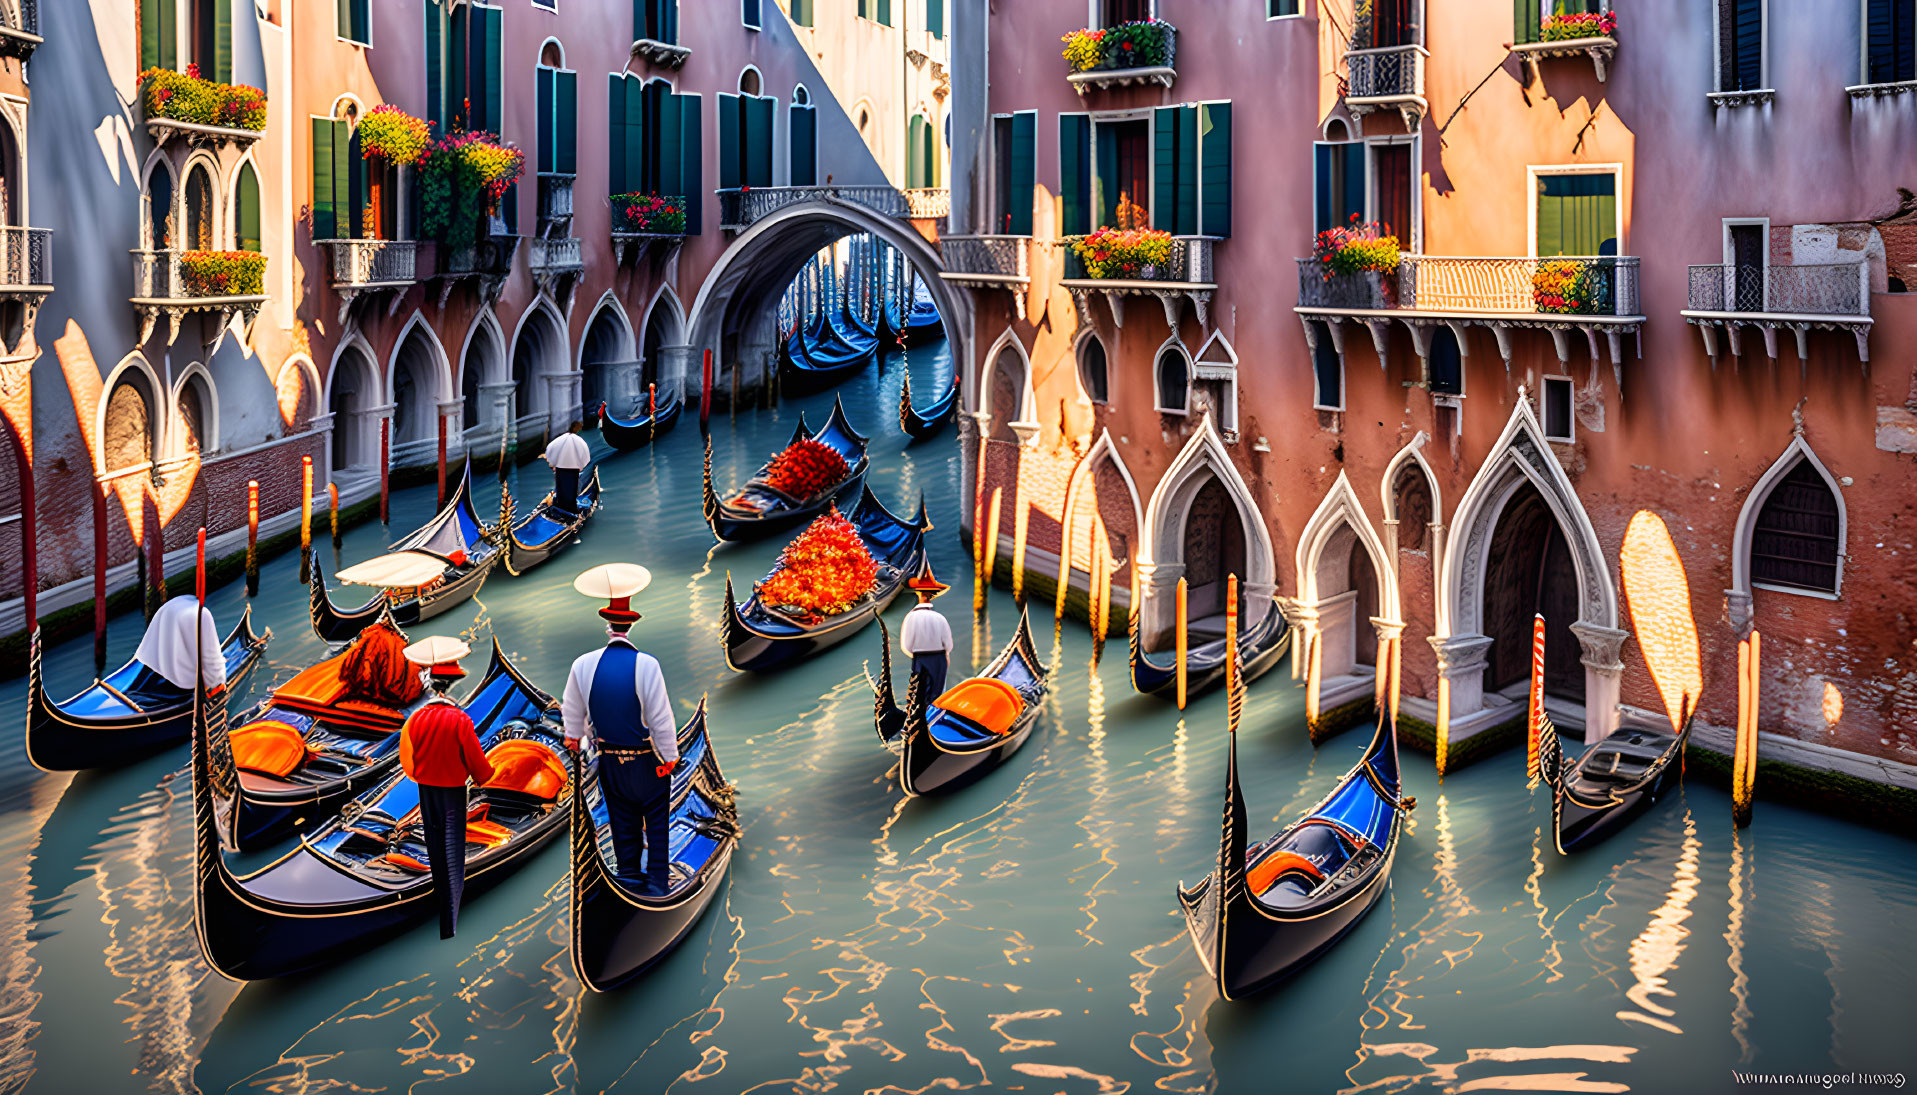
<point x="1144" y="44"/>
<point x="391" y="134"/>
<point x="461" y="179"/>
<point x="223" y="273"/>
<point x="648" y="213"/>
<point x="184" y="97"/>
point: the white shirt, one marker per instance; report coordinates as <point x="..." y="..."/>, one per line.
<point x="925" y="631"/>
<point x="569" y="450"/>
<point x="654" y="705"/>
<point x="170" y="646"/>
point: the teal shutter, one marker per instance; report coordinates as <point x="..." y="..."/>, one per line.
<point x="1525" y="21"/>
<point x="668" y="21"/>
<point x="752" y="13"/>
<point x="1024" y="171"/>
<point x="458" y="87"/>
<point x="1340" y="183"/>
<point x="325" y="208"/>
<point x="246" y="209"/>
<point x="1105" y="178"/>
<point x="729" y="171"/>
<point x="803" y="145"/>
<point x="1074" y="173"/>
<point x="543" y="92"/>
<point x="362" y="21"/>
<point x="616" y="165"/>
<point x="935" y="17"/>
<point x="1214" y="169"/>
<point x="692" y="162"/>
<point x="641" y="20"/>
<point x="665" y="170"/>
<point x="566" y="118"/>
<point x="223" y="40"/>
<point x="885" y="12"/>
<point x="350" y="165"/>
<point x="1167" y="176"/>
<point x="637" y="171"/>
<point x="489" y="80"/>
<point x="758" y="135"/>
<point x="159" y="35"/>
<point x="435" y="64"/>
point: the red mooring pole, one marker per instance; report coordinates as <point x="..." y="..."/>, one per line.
<point x="252" y="537"/>
<point x="705" y="396"/>
<point x="385" y="467"/>
<point x="151" y="506"/>
<point x="442" y="462"/>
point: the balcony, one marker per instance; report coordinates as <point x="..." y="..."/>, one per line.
<point x="552" y="259"/>
<point x="988" y="262"/>
<point x="1387" y="78"/>
<point x="1112" y="67"/>
<point x="371" y="266"/>
<point x="486" y="264"/>
<point x="740" y="209"/>
<point x="18" y="37"/>
<point x="1187" y="276"/>
<point x="639" y="239"/>
<point x="26" y="277"/>
<point x="163" y="289"/>
<point x="1799" y="298"/>
<point x="1562" y="295"/>
<point x="663" y="54"/>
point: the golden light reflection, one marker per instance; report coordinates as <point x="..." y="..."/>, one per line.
<point x="1833" y="705"/>
<point x="291" y="390"/>
<point x="1659" y="596"/>
<point x="1734" y="935"/>
<point x="1444" y="1074"/>
<point x="1655" y="951"/>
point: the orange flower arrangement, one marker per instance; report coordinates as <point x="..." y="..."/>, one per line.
<point x="805" y="469"/>
<point x="823" y="572"/>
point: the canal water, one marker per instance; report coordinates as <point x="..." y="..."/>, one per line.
<point x="1020" y="934"/>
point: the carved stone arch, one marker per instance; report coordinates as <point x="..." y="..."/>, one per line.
<point x="484" y="329"/>
<point x="414" y="433"/>
<point x="548" y="370"/>
<point x="1412" y="457"/>
<point x="1162" y="562"/>
<point x="443" y="371"/>
<point x="1089" y="334"/>
<point x="156" y="406"/>
<point x="1739" y="596"/>
<point x="309" y="396"/>
<point x="988" y="368"/>
<point x="1171" y="344"/>
<point x="197" y="374"/>
<point x="1346" y="615"/>
<point x="201" y="159"/>
<point x="485" y="380"/>
<point x="1103" y="451"/>
<point x="539" y="55"/>
<point x="608" y="358"/>
<point x="353" y="415"/>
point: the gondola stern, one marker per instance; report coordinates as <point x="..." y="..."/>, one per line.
<point x="711" y="499"/>
<point x="39" y="708"/>
<point x="844" y="424"/>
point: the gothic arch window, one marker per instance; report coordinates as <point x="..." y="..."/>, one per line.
<point x="246" y="208"/>
<point x="200" y="234"/>
<point x="199" y="431"/>
<point x="1092" y="369"/>
<point x="1796" y="542"/>
<point x="1173" y="380"/>
<point x="127" y="439"/>
<point x="159" y="207"/>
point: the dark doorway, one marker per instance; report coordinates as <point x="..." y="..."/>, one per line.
<point x="1747" y="260"/>
<point x="1002" y="155"/>
<point x="1391" y="170"/>
<point x="1364" y="581"/>
<point x="1214" y="549"/>
<point x="1529" y="571"/>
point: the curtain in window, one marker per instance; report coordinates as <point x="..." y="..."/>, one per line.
<point x="1577" y="215"/>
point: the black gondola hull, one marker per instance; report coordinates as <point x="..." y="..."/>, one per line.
<point x="1581" y="824"/>
<point x="260" y="820"/>
<point x="920" y="425"/>
<point x="1258" y="651"/>
<point x="733" y="523"/>
<point x="521" y="556"/>
<point x="749" y="651"/>
<point x="732" y="526"/>
<point x="925" y="769"/>
<point x="336" y="625"/>
<point x="627" y="435"/>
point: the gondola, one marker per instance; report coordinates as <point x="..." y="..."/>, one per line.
<point x="1614" y="781"/>
<point x="920" y="325"/>
<point x="920" y="425"/>
<point x="455" y="535"/>
<point x="544" y="532"/>
<point x="817" y="361"/>
<point x="127" y="715"/>
<point x="627" y="434"/>
<point x="1264" y="914"/>
<point x="769" y="510"/>
<point x="1262" y="646"/>
<point x="947" y="742"/>
<point x="361" y="877"/>
<point x="618" y="929"/>
<point x="759" y="638"/>
<point x="308" y="749"/>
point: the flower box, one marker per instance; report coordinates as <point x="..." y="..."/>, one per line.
<point x="648" y="214"/>
<point x="185" y="97"/>
<point x="1140" y="254"/>
<point x="389" y="133"/>
<point x="223" y="273"/>
<point x="1143" y="44"/>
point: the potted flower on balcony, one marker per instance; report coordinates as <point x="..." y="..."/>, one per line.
<point x="390" y="134"/>
<point x="1576" y="26"/>
<point x="1142" y="44"/>
<point x="223" y="273"/>
<point x="461" y="180"/>
<point x="648" y="214"/>
<point x="1565" y="287"/>
<point x="1127" y="253"/>
<point x="1356" y="258"/>
<point x="185" y="97"/>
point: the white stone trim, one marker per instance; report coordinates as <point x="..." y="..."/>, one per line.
<point x="1741" y="584"/>
<point x="1161" y="562"/>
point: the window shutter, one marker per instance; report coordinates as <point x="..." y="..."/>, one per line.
<point x="458" y="63"/>
<point x="935" y="17"/>
<point x="1024" y="170"/>
<point x="1074" y="174"/>
<point x="489" y="79"/>
<point x="324" y="207"/>
<point x="349" y="180"/>
<point x="730" y="176"/>
<point x="692" y="162"/>
<point x="885" y="12"/>
<point x="246" y="210"/>
<point x="634" y="136"/>
<point x="566" y="96"/>
<point x="616" y="167"/>
<point x="1165" y="165"/>
<point x="509" y="209"/>
<point x="1340" y="182"/>
<point x="435" y="64"/>
<point x="1355" y="173"/>
<point x="223" y="41"/>
<point x="1214" y="171"/>
<point x="641" y="19"/>
<point x="758" y="135"/>
<point x="1890" y="27"/>
<point x="343" y="15"/>
<point x="803" y="144"/>
<point x="362" y="21"/>
<point x="1321" y="160"/>
<point x="159" y="34"/>
<point x="1525" y="19"/>
<point x="1741" y="36"/>
<point x="1105" y="176"/>
<point x="669" y="21"/>
<point x="543" y="91"/>
<point x="665" y="169"/>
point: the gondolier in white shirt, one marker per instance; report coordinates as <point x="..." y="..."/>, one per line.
<point x="618" y="694"/>
<point x="569" y="455"/>
<point x="181" y="634"/>
<point x="926" y="637"/>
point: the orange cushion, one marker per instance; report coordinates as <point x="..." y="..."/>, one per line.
<point x="319" y="685"/>
<point x="268" y="746"/>
<point x="489" y="833"/>
<point x="527" y="767"/>
<point x="987" y="701"/>
<point x="1266" y="872"/>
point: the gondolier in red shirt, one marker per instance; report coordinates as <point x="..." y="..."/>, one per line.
<point x="440" y="752"/>
<point x="926" y="636"/>
<point x="618" y="694"/>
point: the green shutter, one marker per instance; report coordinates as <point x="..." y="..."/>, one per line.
<point x="346" y="180"/>
<point x="802" y="13"/>
<point x="616" y="167"/>
<point x="1353" y="177"/>
<point x="343" y="17"/>
<point x="566" y="117"/>
<point x="665" y="168"/>
<point x="885" y="12"/>
<point x="669" y="21"/>
<point x="543" y="92"/>
<point x="1024" y="171"/>
<point x="324" y="207"/>
<point x="728" y="141"/>
<point x="159" y="34"/>
<point x="435" y="64"/>
<point x="935" y="17"/>
<point x="246" y="209"/>
<point x="1214" y="169"/>
<point x="1525" y="20"/>
<point x="223" y="40"/>
<point x="638" y="173"/>
<point x="915" y="153"/>
<point x="1105" y="176"/>
<point x="758" y="135"/>
<point x="641" y="19"/>
<point x="457" y="88"/>
<point x="362" y="21"/>
<point x="489" y="79"/>
<point x="803" y="144"/>
<point x="1165" y="168"/>
<point x="692" y="162"/>
<point x="1074" y="173"/>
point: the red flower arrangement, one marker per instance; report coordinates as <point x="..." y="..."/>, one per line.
<point x="825" y="571"/>
<point x="806" y="469"/>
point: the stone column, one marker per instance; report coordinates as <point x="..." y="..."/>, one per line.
<point x="323" y="425"/>
<point x="1737" y="606"/>
<point x="455" y="430"/>
<point x="1461" y="660"/>
<point x="1603" y="677"/>
<point x="496" y="412"/>
<point x="562" y="401"/>
<point x="1389" y="631"/>
<point x="679" y="372"/>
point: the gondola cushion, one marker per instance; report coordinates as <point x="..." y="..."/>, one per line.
<point x="321" y="691"/>
<point x="527" y="767"/>
<point x="986" y="701"/>
<point x="375" y="668"/>
<point x="270" y="746"/>
<point x="1266" y="872"/>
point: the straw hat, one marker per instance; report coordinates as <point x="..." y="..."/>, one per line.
<point x="440" y="653"/>
<point x="617" y="584"/>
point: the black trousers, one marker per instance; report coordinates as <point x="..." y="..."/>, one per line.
<point x="639" y="805"/>
<point x="443" y="809"/>
<point x="932" y="666"/>
<point x="565" y="489"/>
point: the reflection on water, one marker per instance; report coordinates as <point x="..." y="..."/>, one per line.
<point x="1021" y="934"/>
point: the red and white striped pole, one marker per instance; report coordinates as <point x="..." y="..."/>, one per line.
<point x="1534" y="726"/>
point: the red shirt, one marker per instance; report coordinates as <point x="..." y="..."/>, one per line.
<point x="439" y="749"/>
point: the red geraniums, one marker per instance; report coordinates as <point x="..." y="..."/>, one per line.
<point x="824" y="571"/>
<point x="805" y="469"/>
<point x="1358" y="247"/>
<point x="648" y="213"/>
<point x="185" y="97"/>
<point x="1572" y="26"/>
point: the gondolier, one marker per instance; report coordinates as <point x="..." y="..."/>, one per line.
<point x="926" y="636"/>
<point x="618" y="693"/>
<point x="440" y="752"/>
<point x="181" y="637"/>
<point x="569" y="455"/>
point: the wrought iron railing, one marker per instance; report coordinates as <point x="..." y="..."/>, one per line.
<point x="986" y="256"/>
<point x="744" y="207"/>
<point x="1384" y="72"/>
<point x="358" y="264"/>
<point x="493" y="255"/>
<point x="157" y="275"/>
<point x="555" y="198"/>
<point x="27" y="12"/>
<point x="1568" y="285"/>
<point x="928" y="203"/>
<point x="555" y="253"/>
<point x="1817" y="289"/>
<point x="27" y="254"/>
<point x="1190" y="263"/>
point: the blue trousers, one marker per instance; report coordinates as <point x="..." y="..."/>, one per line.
<point x="565" y="489"/>
<point x="639" y="805"/>
<point x="933" y="668"/>
<point x="443" y="809"/>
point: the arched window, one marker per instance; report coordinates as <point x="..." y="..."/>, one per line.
<point x="921" y="155"/>
<point x="195" y="406"/>
<point x="1174" y="381"/>
<point x="199" y="210"/>
<point x="750" y="81"/>
<point x="127" y="440"/>
<point x="1795" y="541"/>
<point x="800" y="96"/>
<point x="246" y="209"/>
<point x="159" y="207"/>
<point x="1091" y="368"/>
